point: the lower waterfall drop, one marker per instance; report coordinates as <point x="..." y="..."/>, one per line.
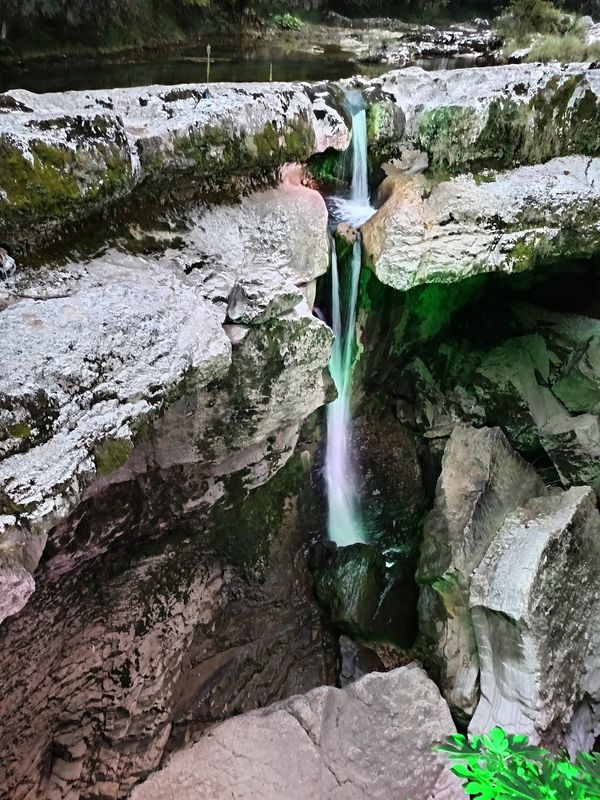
<point x="344" y="523"/>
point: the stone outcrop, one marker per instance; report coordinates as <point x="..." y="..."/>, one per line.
<point x="482" y="480"/>
<point x="498" y="116"/>
<point x="106" y="348"/>
<point x="372" y="740"/>
<point x="65" y="156"/>
<point x="503" y="222"/>
<point x="535" y="610"/>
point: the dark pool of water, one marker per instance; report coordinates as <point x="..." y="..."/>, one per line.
<point x="229" y="62"/>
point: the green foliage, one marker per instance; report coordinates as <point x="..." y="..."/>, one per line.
<point x="501" y="766"/>
<point x="569" y="48"/>
<point x="531" y="16"/>
<point x="287" y="22"/>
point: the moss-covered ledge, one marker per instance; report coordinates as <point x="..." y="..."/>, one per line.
<point x="64" y="157"/>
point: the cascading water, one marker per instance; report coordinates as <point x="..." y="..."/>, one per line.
<point x="344" y="521"/>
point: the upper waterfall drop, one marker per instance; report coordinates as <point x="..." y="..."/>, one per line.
<point x="356" y="209"/>
<point x="344" y="518"/>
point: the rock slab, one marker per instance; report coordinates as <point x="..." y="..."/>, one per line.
<point x="370" y="741"/>
<point x="534" y="605"/>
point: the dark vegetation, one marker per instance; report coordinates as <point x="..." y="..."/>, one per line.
<point x="54" y="27"/>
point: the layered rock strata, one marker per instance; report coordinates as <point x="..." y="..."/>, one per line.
<point x="482" y="480"/>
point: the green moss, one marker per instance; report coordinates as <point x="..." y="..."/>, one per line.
<point x="563" y="118"/>
<point x="43" y="185"/>
<point x="328" y="168"/>
<point x="111" y="455"/>
<point x="447" y="134"/>
<point x="215" y="151"/>
<point x="20" y="431"/>
<point x="244" y="523"/>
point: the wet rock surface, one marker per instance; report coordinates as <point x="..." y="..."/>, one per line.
<point x="371" y="740"/>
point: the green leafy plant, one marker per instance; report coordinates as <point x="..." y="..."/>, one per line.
<point x="287" y="22"/>
<point x="501" y="766"/>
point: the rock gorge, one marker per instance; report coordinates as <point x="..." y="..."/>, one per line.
<point x="164" y="570"/>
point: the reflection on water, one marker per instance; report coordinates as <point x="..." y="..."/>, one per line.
<point x="235" y="61"/>
<point x="229" y="62"/>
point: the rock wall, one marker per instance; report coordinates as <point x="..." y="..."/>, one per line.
<point x="153" y="460"/>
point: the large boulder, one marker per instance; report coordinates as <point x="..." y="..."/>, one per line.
<point x="482" y="480"/>
<point x="372" y="740"/>
<point x="503" y="222"/>
<point x="535" y="610"/>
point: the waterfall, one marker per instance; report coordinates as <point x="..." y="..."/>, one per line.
<point x="344" y="522"/>
<point x="344" y="525"/>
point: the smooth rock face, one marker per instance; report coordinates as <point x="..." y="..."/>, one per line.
<point x="508" y="222"/>
<point x="535" y="610"/>
<point x="372" y="740"/>
<point x="482" y="480"/>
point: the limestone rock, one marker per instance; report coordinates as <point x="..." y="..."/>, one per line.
<point x="372" y="740"/>
<point x="78" y="151"/>
<point x="105" y="348"/>
<point x="505" y="115"/>
<point x="535" y="610"/>
<point x="261" y="297"/>
<point x="482" y="481"/>
<point x="508" y="222"/>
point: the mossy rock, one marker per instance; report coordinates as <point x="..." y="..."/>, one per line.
<point x="49" y="184"/>
<point x="563" y="118"/>
<point x="111" y="455"/>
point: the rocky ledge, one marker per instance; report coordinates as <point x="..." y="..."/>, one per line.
<point x="65" y="156"/>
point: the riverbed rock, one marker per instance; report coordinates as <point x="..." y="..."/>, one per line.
<point x="535" y="610"/>
<point x="372" y="740"/>
<point x="505" y="222"/>
<point x="482" y="480"/>
<point x="70" y="154"/>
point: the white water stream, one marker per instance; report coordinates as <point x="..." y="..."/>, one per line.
<point x="344" y="519"/>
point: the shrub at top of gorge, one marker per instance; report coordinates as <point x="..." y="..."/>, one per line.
<point x="299" y="400"/>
